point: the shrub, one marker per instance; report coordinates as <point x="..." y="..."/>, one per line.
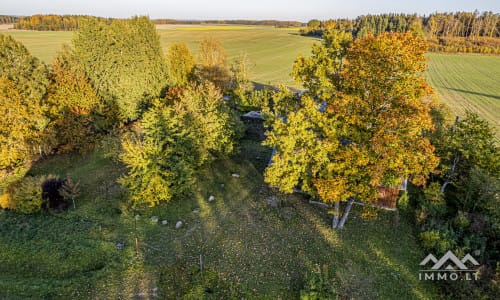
<point x="252" y="100"/>
<point x="25" y="195"/>
<point x="319" y="284"/>
<point x="433" y="240"/>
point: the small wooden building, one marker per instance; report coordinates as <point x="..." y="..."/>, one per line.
<point x="388" y="196"/>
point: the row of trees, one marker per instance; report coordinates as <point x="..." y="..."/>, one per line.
<point x="446" y="32"/>
<point x="54" y="22"/>
<point x="8" y="19"/>
<point x="276" y="23"/>
<point x="459" y="24"/>
<point x="72" y="22"/>
<point x="169" y="110"/>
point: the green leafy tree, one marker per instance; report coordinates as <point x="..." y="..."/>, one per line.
<point x="175" y="138"/>
<point x="362" y="123"/>
<point x="216" y="128"/>
<point x="124" y="62"/>
<point x="469" y="142"/>
<point x="29" y="75"/>
<point x="180" y="64"/>
<point x="213" y="63"/>
<point x="25" y="195"/>
<point x="160" y="159"/>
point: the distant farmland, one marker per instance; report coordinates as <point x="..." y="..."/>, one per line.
<point x="468" y="82"/>
<point x="462" y="81"/>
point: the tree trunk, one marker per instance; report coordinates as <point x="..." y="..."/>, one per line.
<point x="346" y="213"/>
<point x="336" y="208"/>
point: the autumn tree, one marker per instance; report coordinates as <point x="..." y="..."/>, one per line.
<point x="213" y="63"/>
<point x="124" y="62"/>
<point x="180" y="64"/>
<point x="21" y="127"/>
<point x="71" y="100"/>
<point x="361" y="125"/>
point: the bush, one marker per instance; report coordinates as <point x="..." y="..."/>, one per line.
<point x="252" y="100"/>
<point x="433" y="240"/>
<point x="25" y="195"/>
<point x="319" y="284"/>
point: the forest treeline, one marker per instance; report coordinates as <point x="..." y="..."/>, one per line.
<point x="276" y="23"/>
<point x="445" y="32"/>
<point x="72" y="22"/>
<point x="55" y="22"/>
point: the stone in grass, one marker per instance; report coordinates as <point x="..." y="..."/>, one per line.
<point x="137" y="217"/>
<point x="211" y="198"/>
<point x="178" y="224"/>
<point x="164" y="222"/>
<point x="235" y="175"/>
<point x="222" y="185"/>
<point x="196" y="211"/>
<point x="273" y="201"/>
<point x="154" y="219"/>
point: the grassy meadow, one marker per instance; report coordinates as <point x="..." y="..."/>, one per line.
<point x="249" y="248"/>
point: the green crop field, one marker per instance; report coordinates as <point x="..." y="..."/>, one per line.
<point x="468" y="82"/>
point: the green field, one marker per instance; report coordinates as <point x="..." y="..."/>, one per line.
<point x="468" y="82"/>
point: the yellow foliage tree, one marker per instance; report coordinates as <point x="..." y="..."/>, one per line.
<point x="360" y="125"/>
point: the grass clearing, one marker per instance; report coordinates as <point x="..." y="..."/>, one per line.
<point x="468" y="82"/>
<point x="249" y="248"/>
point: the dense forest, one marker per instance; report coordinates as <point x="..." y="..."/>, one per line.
<point x="72" y="22"/>
<point x="54" y="22"/>
<point x="445" y="32"/>
<point x="459" y="24"/>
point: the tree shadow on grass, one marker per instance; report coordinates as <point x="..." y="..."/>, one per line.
<point x="496" y="97"/>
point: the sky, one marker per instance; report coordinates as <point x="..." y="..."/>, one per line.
<point x="297" y="10"/>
